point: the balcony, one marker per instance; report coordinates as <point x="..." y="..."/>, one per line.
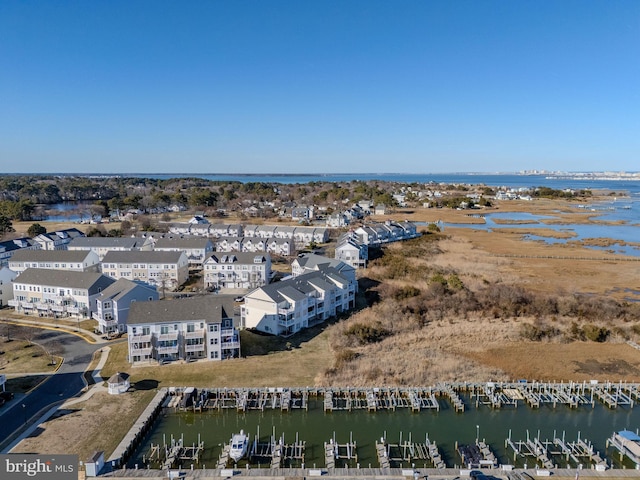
<point x="14" y="303"/>
<point x="194" y="348"/>
<point x="141" y="351"/>
<point x="196" y="334"/>
<point x="109" y="323"/>
<point x="75" y="310"/>
<point x="168" y="337"/>
<point x="58" y="308"/>
<point x="285" y="322"/>
<point x="227" y="332"/>
<point x="42" y="306"/>
<point x="140" y="339"/>
<point x="167" y="350"/>
<point x="230" y="345"/>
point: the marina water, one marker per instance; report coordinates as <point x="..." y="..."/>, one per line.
<point x="445" y="427"/>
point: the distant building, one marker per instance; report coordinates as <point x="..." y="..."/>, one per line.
<point x="166" y="270"/>
<point x="195" y="248"/>
<point x="9" y="247"/>
<point x="59" y="239"/>
<point x="76" y="260"/>
<point x="104" y="245"/>
<point x="237" y="270"/>
<point x="199" y="328"/>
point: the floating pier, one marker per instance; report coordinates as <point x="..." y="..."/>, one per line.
<point x="276" y="452"/>
<point x="334" y="451"/>
<point x="531" y="447"/>
<point x="406" y="452"/>
<point x="492" y="394"/>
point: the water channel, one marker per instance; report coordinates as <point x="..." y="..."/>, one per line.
<point x="445" y="427"/>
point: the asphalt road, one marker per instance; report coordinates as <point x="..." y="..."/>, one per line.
<point x="65" y="384"/>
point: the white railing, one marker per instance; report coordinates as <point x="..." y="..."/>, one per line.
<point x="196" y="334"/>
<point x="164" y="337"/>
<point x="165" y="350"/>
<point x="140" y="339"/>
<point x="13" y="303"/>
<point x="194" y="348"/>
<point x="141" y="351"/>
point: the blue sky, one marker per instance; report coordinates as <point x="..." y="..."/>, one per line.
<point x="319" y="86"/>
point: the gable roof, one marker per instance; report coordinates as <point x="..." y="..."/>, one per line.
<point x="121" y="287"/>
<point x="236" y="257"/>
<point x="97" y="242"/>
<point x="64" y="278"/>
<point x="208" y="308"/>
<point x="297" y="288"/>
<point x="76" y="256"/>
<point x="140" y="256"/>
<point x="183" y="242"/>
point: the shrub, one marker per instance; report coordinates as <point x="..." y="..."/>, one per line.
<point x="365" y="334"/>
<point x="406" y="292"/>
<point x="595" y="333"/>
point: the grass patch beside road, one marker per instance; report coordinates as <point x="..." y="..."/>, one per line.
<point x="19" y="356"/>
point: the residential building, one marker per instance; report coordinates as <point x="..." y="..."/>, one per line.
<point x="57" y="240"/>
<point x="284" y="308"/>
<point x="195" y="248"/>
<point x="114" y="302"/>
<point x="75" y="260"/>
<point x="6" y="287"/>
<point x="236" y="270"/>
<point x="58" y="293"/>
<point x="9" y="247"/>
<point x="350" y="251"/>
<point x="375" y="234"/>
<point x="104" y="245"/>
<point x="311" y="262"/>
<point x="166" y="270"/>
<point x="198" y="328"/>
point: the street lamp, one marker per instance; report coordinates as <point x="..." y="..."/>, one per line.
<point x="24" y="413"/>
<point x="477" y="434"/>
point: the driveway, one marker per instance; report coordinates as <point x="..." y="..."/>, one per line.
<point x="65" y="384"/>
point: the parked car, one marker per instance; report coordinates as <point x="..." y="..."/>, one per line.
<point x="6" y="396"/>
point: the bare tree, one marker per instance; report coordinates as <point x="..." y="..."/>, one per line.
<point x="53" y="350"/>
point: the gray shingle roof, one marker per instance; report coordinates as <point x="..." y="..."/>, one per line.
<point x="237" y="257"/>
<point x="105" y="242"/>
<point x="64" y="278"/>
<point x="297" y="287"/>
<point x="209" y="308"/>
<point x="183" y="242"/>
<point x="76" y="256"/>
<point x="142" y="257"/>
<point x="121" y="287"/>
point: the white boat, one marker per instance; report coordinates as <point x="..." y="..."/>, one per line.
<point x="239" y="444"/>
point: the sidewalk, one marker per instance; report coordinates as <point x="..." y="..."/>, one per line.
<point x="47" y="413"/>
<point x="98" y="386"/>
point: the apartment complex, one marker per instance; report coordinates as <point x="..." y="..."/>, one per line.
<point x="58" y="293"/>
<point x="199" y="328"/>
<point x="236" y="270"/>
<point x="114" y="302"/>
<point x="284" y="308"/>
<point x="78" y="261"/>
<point x="166" y="270"/>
